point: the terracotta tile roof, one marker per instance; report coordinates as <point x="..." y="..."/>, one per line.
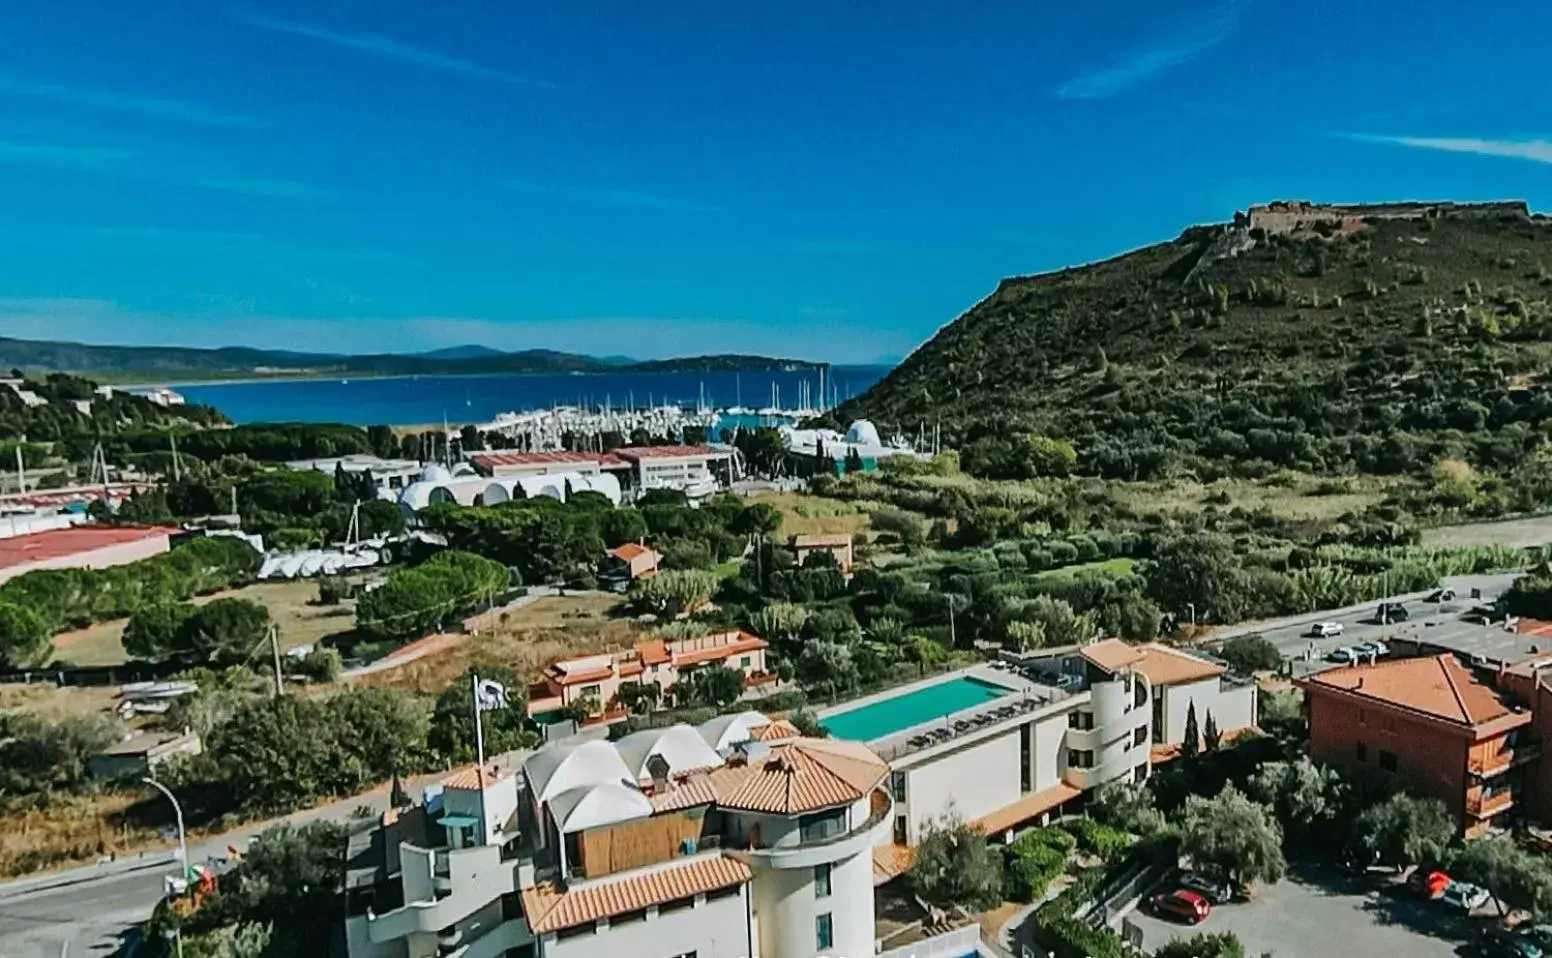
<point x="1160" y="754"/>
<point x="633" y="453"/>
<point x="891" y="861"/>
<point x="804" y="775"/>
<point x="652" y="651"/>
<point x="630" y="551"/>
<point x="558" y="457"/>
<point x="1437" y="686"/>
<point x="591" y="675"/>
<point x="777" y="731"/>
<point x="686" y="794"/>
<point x="744" y="643"/>
<point x="1164" y="665"/>
<point x="550" y="909"/>
<point x="474" y="779"/>
<point x="58" y="543"/>
<point x="1112" y="655"/>
<point x="1028" y="807"/>
<point x="630" y="667"/>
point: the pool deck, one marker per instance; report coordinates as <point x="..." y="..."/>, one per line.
<point x="898" y="742"/>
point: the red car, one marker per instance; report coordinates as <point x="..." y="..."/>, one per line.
<point x="1187" y="906"/>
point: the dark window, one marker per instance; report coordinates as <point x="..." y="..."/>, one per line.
<point x="577" y="931"/>
<point x="1072" y="719"/>
<point x="824" y="933"/>
<point x="730" y="891"/>
<point x="1363" y="752"/>
<point x="678" y="904"/>
<point x="1387" y="760"/>
<point x="822" y="881"/>
<point x="817" y="828"/>
<point x="625" y="918"/>
<point x="897" y="785"/>
<point x="1025" y="734"/>
<point x="900" y="831"/>
<point x="1158" y="720"/>
<point x="1140" y="737"/>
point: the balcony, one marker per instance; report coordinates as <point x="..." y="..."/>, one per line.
<point x="1503" y="761"/>
<point x="821" y="846"/>
<point x="1488" y="805"/>
<point x="496" y="942"/>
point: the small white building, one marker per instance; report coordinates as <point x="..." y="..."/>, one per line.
<point x="386" y="473"/>
<point x="1180" y="680"/>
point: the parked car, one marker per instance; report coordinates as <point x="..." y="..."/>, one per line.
<point x="1345" y="656"/>
<point x="1325" y="630"/>
<point x="1186" y="906"/>
<point x="1500" y="943"/>
<point x="1391" y="612"/>
<point x="1465" y="896"/>
<point x="1441" y="595"/>
<point x="1427" y="882"/>
<point x="1375" y="649"/>
<point x="1215" y="890"/>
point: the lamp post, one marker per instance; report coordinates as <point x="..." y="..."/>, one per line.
<point x="183" y="843"/>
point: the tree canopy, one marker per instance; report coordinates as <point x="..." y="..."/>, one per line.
<point x="1232" y="836"/>
<point x="955" y="867"/>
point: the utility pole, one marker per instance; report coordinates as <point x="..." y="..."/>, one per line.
<point x="177" y="467"/>
<point x="21" y="467"/>
<point x="183" y="844"/>
<point x="274" y="645"/>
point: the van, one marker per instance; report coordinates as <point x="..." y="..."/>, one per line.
<point x="1326" y="630"/>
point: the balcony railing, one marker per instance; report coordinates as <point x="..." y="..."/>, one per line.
<point x="1506" y="759"/>
<point x="1486" y="806"/>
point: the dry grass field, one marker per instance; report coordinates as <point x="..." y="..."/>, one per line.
<point x="814" y="515"/>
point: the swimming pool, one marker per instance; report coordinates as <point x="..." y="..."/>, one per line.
<point x="888" y="716"/>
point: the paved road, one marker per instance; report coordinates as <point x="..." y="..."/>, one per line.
<point x="1314" y="914"/>
<point x="100" y="908"/>
<point x="1291" y="634"/>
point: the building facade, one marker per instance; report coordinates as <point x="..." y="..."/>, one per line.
<point x="662" y="845"/>
<point x="82" y="547"/>
<point x="660" y="662"/>
<point x="1181" y="682"/>
<point x="1430" y="726"/>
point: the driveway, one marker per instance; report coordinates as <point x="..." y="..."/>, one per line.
<point x="1321" y="914"/>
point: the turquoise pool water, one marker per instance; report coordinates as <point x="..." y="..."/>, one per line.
<point x="868" y="722"/>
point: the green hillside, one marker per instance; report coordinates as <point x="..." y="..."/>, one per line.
<point x="1365" y="340"/>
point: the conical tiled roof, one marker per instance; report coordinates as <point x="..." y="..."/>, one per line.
<point x="803" y="775"/>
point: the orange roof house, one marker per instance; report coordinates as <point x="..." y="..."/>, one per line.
<point x="1180" y="681"/>
<point x="661" y="662"/>
<point x="1428" y="725"/>
<point x="633" y="561"/>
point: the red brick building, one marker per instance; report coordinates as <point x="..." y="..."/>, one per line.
<point x="1428" y="726"/>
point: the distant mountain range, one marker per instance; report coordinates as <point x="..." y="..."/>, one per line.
<point x="173" y="363"/>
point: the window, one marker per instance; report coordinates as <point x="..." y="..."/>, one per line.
<point x="897" y="786"/>
<point x="900" y="831"/>
<point x="1080" y="758"/>
<point x="687" y="954"/>
<point x="1026" y="733"/>
<point x="825" y="825"/>
<point x="1080" y="720"/>
<point x="1363" y="752"/>
<point x="629" y="917"/>
<point x="746" y="661"/>
<point x="678" y="904"/>
<point x="824" y="933"/>
<point x="1140" y="737"/>
<point x="731" y="891"/>
<point x="592" y="692"/>
<point x="822" y="881"/>
<point x="1387" y="760"/>
<point x="577" y="931"/>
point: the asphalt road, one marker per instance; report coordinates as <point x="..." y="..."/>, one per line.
<point x="1292" y="637"/>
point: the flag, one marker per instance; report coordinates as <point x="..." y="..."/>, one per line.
<point x="490" y="695"/>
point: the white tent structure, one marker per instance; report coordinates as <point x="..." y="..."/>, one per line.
<point x="604" y="483"/>
<point x="725" y="731"/>
<point x="551" y="771"/>
<point x="593" y="806"/>
<point x="681" y="746"/>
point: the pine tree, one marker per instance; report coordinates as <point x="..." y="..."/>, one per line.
<point x="1210" y="734"/>
<point x="1191" y="744"/>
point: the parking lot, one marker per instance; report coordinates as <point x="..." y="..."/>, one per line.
<point x="1321" y="914"/>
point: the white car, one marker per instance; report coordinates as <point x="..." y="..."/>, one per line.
<point x="1325" y="630"/>
<point x="1465" y="896"/>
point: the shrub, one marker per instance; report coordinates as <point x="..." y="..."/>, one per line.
<point x="1098" y="839"/>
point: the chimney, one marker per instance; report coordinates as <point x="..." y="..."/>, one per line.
<point x="657" y="767"/>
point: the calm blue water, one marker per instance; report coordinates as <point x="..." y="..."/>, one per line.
<point x="891" y="715"/>
<point x="428" y="399"/>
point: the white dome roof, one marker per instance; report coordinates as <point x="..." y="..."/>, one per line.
<point x="464" y="470"/>
<point x="605" y="484"/>
<point x="551" y="771"/>
<point x="435" y="473"/>
<point x="592" y="806"/>
<point x="417" y="495"/>
<point x="728" y="730"/>
<point x="682" y="747"/>
<point x="863" y="433"/>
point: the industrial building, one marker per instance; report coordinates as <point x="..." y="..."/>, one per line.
<point x="82" y="547"/>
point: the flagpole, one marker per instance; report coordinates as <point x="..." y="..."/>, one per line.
<point x="479" y="754"/>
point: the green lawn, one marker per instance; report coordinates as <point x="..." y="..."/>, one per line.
<point x="1109" y="568"/>
<point x="729" y="569"/>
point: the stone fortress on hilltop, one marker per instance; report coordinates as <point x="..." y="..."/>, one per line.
<point x="1290" y="216"/>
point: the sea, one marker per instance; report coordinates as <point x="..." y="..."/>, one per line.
<point x="426" y="400"/>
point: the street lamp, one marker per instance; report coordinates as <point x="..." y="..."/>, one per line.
<point x="183" y="842"/>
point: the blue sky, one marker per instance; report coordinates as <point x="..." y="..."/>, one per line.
<point x="826" y="179"/>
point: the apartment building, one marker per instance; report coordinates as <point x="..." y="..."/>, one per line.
<point x="693" y="470"/>
<point x="660" y="662"/>
<point x="663" y="845"/>
<point x="1180" y="681"/>
<point x="1431" y="726"/>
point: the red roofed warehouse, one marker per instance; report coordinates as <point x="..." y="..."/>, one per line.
<point x="81" y="547"/>
<point x="1425" y="725"/>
